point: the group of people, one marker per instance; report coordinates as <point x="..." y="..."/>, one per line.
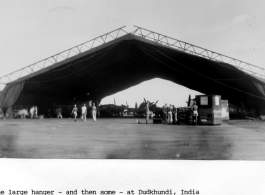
<point x="32" y="113"/>
<point x="23" y="113"/>
<point x="84" y="112"/>
<point x="170" y="115"/>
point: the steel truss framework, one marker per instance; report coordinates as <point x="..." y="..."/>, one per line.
<point x="62" y="56"/>
<point x="144" y="33"/>
<point x="199" y="51"/>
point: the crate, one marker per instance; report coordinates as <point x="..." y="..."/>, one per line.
<point x="157" y="120"/>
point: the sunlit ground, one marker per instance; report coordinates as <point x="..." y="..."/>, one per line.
<point x="124" y="139"/>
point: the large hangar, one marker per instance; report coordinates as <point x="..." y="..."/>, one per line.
<point x="128" y="60"/>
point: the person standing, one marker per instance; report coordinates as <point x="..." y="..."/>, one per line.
<point x="94" y="112"/>
<point x="174" y="114"/>
<point x="35" y="112"/>
<point x="74" y="112"/>
<point x="164" y="109"/>
<point x="170" y="114"/>
<point x="84" y="112"/>
<point x="49" y="113"/>
<point x="195" y="112"/>
<point x="31" y="112"/>
<point x="147" y="112"/>
<point x="59" y="113"/>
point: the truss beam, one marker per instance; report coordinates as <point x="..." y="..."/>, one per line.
<point x="144" y="33"/>
<point x="198" y="51"/>
<point x="62" y="56"/>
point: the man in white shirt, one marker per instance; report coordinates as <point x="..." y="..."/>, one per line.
<point x="169" y="120"/>
<point x="148" y="112"/>
<point x="84" y="112"/>
<point x="74" y="112"/>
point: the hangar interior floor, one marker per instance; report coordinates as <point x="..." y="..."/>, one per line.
<point x="124" y="139"/>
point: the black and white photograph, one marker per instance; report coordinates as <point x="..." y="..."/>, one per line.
<point x="133" y="87"/>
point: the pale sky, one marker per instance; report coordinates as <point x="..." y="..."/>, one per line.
<point x="33" y="30"/>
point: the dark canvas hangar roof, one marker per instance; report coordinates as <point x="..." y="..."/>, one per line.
<point x="128" y="61"/>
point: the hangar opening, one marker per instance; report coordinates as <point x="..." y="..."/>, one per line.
<point x="156" y="89"/>
<point x="131" y="102"/>
<point x="126" y="61"/>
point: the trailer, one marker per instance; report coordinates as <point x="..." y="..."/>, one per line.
<point x="209" y="109"/>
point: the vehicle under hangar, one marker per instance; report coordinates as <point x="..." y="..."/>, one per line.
<point x="118" y="60"/>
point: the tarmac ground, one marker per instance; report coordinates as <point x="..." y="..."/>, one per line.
<point x="123" y="138"/>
